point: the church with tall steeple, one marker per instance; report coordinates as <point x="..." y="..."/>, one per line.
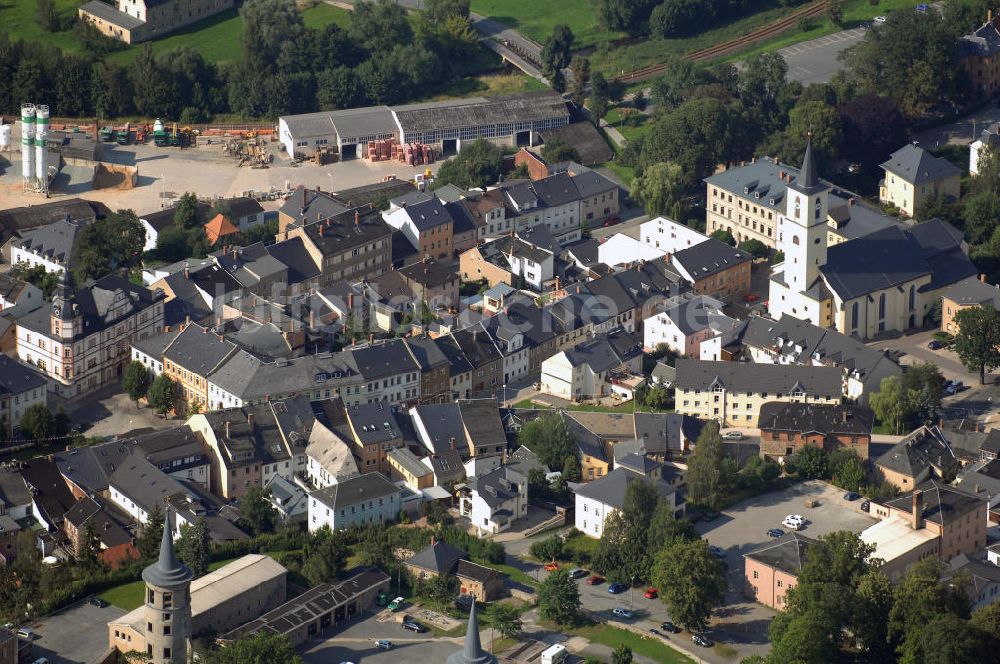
<point x="886" y="281"/>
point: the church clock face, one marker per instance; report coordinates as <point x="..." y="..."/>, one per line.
<point x="797" y="207"/>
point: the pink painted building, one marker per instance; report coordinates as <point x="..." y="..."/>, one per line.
<point x="773" y="568"/>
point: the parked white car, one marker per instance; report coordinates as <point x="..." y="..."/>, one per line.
<point x="733" y="435"/>
<point x="793" y="522"/>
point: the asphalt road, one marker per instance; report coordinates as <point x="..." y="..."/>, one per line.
<point x="815" y="61"/>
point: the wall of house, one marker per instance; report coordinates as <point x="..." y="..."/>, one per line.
<point x="767" y="584"/>
<point x="745" y="217"/>
<point x="375" y="510"/>
<point x="590" y="515"/>
<point x="668" y="235"/>
<point x="738" y="409"/>
<point x="775" y="444"/>
<point x="595" y="210"/>
<point x="908" y="198"/>
<point x="473" y="267"/>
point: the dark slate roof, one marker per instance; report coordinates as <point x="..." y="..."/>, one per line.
<point x="373" y="423"/>
<point x="515" y="246"/>
<point x="746" y="377"/>
<point x="610" y="489"/>
<point x="33" y="216"/>
<point x="428" y="214"/>
<point x="462" y="216"/>
<point x="355" y="490"/>
<point x="477" y="346"/>
<point x="584" y="250"/>
<point x="816" y="418"/>
<point x="426" y="352"/>
<point x="919" y="450"/>
<point x="198" y="350"/>
<point x="992" y="442"/>
<point x="293" y="254"/>
<point x="339" y="233"/>
<point x="383" y="360"/>
<point x="54" y="241"/>
<point x="429" y="273"/>
<point x="370" y="193"/>
<point x="917" y="166"/>
<point x="587" y="442"/>
<point x="12" y="488"/>
<point x="469" y="570"/>
<point x="306" y="206"/>
<point x="972" y="291"/>
<point x="90" y="468"/>
<point x="453" y="352"/>
<point x="709" y="257"/>
<point x="942" y="503"/>
<point x="243" y="206"/>
<point x="95" y="512"/>
<point x="16" y="378"/>
<point x="787" y="553"/>
<point x="48" y="489"/>
<point x="891" y="257"/>
<point x="481" y="419"/>
<point x="662" y="433"/>
<point x="163" y="218"/>
<point x="801" y="342"/>
<point x="605" y="352"/>
<point x="808" y="182"/>
<point x="443" y="423"/>
<point x="440" y="558"/>
<point x="555" y="190"/>
<point x="984" y="42"/>
<point x="144" y="483"/>
<point x="639" y="463"/>
<point x="106" y="12"/>
<point x="496" y="487"/>
<point x="173" y="449"/>
<point x="591" y="183"/>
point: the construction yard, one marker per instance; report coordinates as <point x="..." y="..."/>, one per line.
<point x="208" y="170"/>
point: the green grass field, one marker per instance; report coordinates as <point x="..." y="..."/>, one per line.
<point x="640" y="645"/>
<point x="17" y="19"/>
<point x="218" y="37"/>
<point x="129" y="596"/>
<point x="536" y="19"/>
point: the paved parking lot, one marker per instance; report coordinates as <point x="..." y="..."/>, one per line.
<point x="815" y="61"/>
<point x="78" y="635"/>
<point x="744" y="526"/>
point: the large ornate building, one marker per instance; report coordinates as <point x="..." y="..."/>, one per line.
<point x="885" y="281"/>
<point x="82" y="341"/>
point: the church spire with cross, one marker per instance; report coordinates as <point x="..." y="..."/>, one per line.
<point x="472" y="652"/>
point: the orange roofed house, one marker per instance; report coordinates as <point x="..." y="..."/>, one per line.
<point x="219" y="227"/>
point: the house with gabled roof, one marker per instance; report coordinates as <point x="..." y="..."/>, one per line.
<point x="440" y="558"/>
<point x="595" y="501"/>
<point x="913" y="175"/>
<point x="598" y="367"/>
<point x="924" y="453"/>
<point x="495" y="500"/>
<point x="771" y="569"/>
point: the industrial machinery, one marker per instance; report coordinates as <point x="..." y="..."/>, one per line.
<point x="160" y="136"/>
<point x="34" y="158"/>
<point x="122" y="134"/>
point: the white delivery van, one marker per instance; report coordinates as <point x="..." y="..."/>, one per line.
<point x="555" y="654"/>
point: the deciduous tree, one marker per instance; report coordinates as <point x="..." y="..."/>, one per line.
<point x="978" y="340"/>
<point x="257" y="515"/>
<point x="559" y="599"/>
<point x="691" y="582"/>
<point x="549" y="438"/>
<point x="660" y="190"/>
<point x="163" y="394"/>
<point x="706" y="477"/>
<point x="136" y="380"/>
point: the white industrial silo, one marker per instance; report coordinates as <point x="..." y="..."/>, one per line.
<point x="5" y="137"/>
<point x="28" y="142"/>
<point x="41" y="132"/>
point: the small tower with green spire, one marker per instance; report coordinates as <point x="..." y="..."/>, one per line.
<point x="168" y="604"/>
<point x="472" y="653"/>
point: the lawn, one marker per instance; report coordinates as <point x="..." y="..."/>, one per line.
<point x="630" y="122"/>
<point x="489" y="84"/>
<point x="536" y="20"/>
<point x="17" y="19"/>
<point x="218" y="37"/>
<point x="612" y="637"/>
<point x="129" y="596"/>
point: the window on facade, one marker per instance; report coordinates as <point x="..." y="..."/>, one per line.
<point x="881" y="305"/>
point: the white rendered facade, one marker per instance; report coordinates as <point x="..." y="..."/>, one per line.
<point x="668" y="235"/>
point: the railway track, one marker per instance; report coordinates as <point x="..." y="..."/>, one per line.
<point x="813" y="9"/>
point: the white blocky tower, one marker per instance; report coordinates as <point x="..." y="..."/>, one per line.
<point x="168" y="604"/>
<point x="802" y="230"/>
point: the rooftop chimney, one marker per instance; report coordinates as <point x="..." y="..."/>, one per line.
<point x="227" y="428"/>
<point x="917" y="508"/>
<point x="982" y="278"/>
<point x="250" y="419"/>
<point x="357" y="218"/>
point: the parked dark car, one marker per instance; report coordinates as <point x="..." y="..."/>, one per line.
<point x="934" y="344"/>
<point x="775" y="532"/>
<point x="866" y="505"/>
<point x="617" y="588"/>
<point x="670" y="627"/>
<point x="710" y="516"/>
<point x="702" y="641"/>
<point x="850" y="495"/>
<point x="98" y="602"/>
<point x="414" y="626"/>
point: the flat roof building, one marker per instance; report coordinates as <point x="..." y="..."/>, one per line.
<point x="506" y="119"/>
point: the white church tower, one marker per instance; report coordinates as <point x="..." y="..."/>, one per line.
<point x="802" y="236"/>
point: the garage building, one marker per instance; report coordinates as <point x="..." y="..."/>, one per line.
<point x="504" y="119"/>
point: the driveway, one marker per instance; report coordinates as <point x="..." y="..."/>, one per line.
<point x="78" y="635"/>
<point x="917" y="352"/>
<point x="962" y="131"/>
<point x="356" y="643"/>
